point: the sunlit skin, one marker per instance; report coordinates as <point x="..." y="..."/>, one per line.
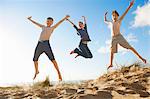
<point x="81" y="25"/>
<point x="49" y="22"/>
<point x="114" y="17"/>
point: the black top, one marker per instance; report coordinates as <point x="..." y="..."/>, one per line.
<point x="83" y="33"/>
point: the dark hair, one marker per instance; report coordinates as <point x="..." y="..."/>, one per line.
<point x="50" y="18"/>
<point x="115" y="12"/>
<point x="80" y="22"/>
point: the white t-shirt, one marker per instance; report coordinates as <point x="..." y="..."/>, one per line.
<point x="115" y="27"/>
<point x="46" y="33"/>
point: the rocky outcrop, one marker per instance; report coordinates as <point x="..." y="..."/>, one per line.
<point x="132" y="82"/>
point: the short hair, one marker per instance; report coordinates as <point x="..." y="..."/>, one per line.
<point x="50" y="18"/>
<point x="80" y="22"/>
<point x="115" y="12"/>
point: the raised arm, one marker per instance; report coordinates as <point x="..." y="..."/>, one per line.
<point x="38" y="24"/>
<point x="105" y="18"/>
<point x="57" y="24"/>
<point x="84" y="19"/>
<point x="131" y="4"/>
<point x="70" y="22"/>
<point x="73" y="25"/>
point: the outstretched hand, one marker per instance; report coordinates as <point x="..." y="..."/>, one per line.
<point x="29" y="17"/>
<point x="132" y="2"/>
<point x="67" y="16"/>
<point x="106" y="13"/>
<point x="83" y="17"/>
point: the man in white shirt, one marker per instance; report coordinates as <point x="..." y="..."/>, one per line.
<point x="117" y="38"/>
<point x="44" y="45"/>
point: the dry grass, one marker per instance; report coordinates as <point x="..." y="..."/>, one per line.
<point x="45" y="83"/>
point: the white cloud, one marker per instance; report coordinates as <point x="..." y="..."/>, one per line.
<point x="106" y="49"/>
<point x="131" y="38"/>
<point x="142" y="17"/>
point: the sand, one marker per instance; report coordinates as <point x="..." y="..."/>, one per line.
<point x="132" y="82"/>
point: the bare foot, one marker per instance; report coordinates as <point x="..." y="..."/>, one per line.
<point x="144" y="60"/>
<point x="36" y="75"/>
<point x="109" y="67"/>
<point x="60" y="78"/>
<point x="77" y="56"/>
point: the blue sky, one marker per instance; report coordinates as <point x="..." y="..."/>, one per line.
<point x="19" y="37"/>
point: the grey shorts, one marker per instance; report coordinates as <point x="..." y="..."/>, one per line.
<point x="119" y="39"/>
<point x="43" y="46"/>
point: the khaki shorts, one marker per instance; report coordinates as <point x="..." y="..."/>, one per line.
<point x="119" y="39"/>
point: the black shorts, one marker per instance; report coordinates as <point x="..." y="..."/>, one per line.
<point x="43" y="46"/>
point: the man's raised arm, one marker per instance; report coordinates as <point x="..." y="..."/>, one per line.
<point x="131" y="4"/>
<point x="36" y="23"/>
<point x="105" y="18"/>
<point x="57" y="24"/>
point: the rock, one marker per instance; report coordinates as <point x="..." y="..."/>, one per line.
<point x="3" y="97"/>
<point x="128" y="83"/>
<point x="122" y="92"/>
<point x="128" y="77"/>
<point x="99" y="95"/>
<point x="125" y="70"/>
<point x="130" y="92"/>
<point x="109" y="88"/>
<point x="81" y="92"/>
<point x="143" y="93"/>
<point x="70" y="91"/>
<point x="27" y="95"/>
<point x="109" y="79"/>
<point x="95" y="88"/>
<point x="147" y="74"/>
<point x="88" y="96"/>
<point x="118" y="79"/>
<point x="124" y="84"/>
<point x="90" y="91"/>
<point x="104" y="95"/>
<point x="20" y="94"/>
<point x="137" y="86"/>
<point x="47" y="95"/>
